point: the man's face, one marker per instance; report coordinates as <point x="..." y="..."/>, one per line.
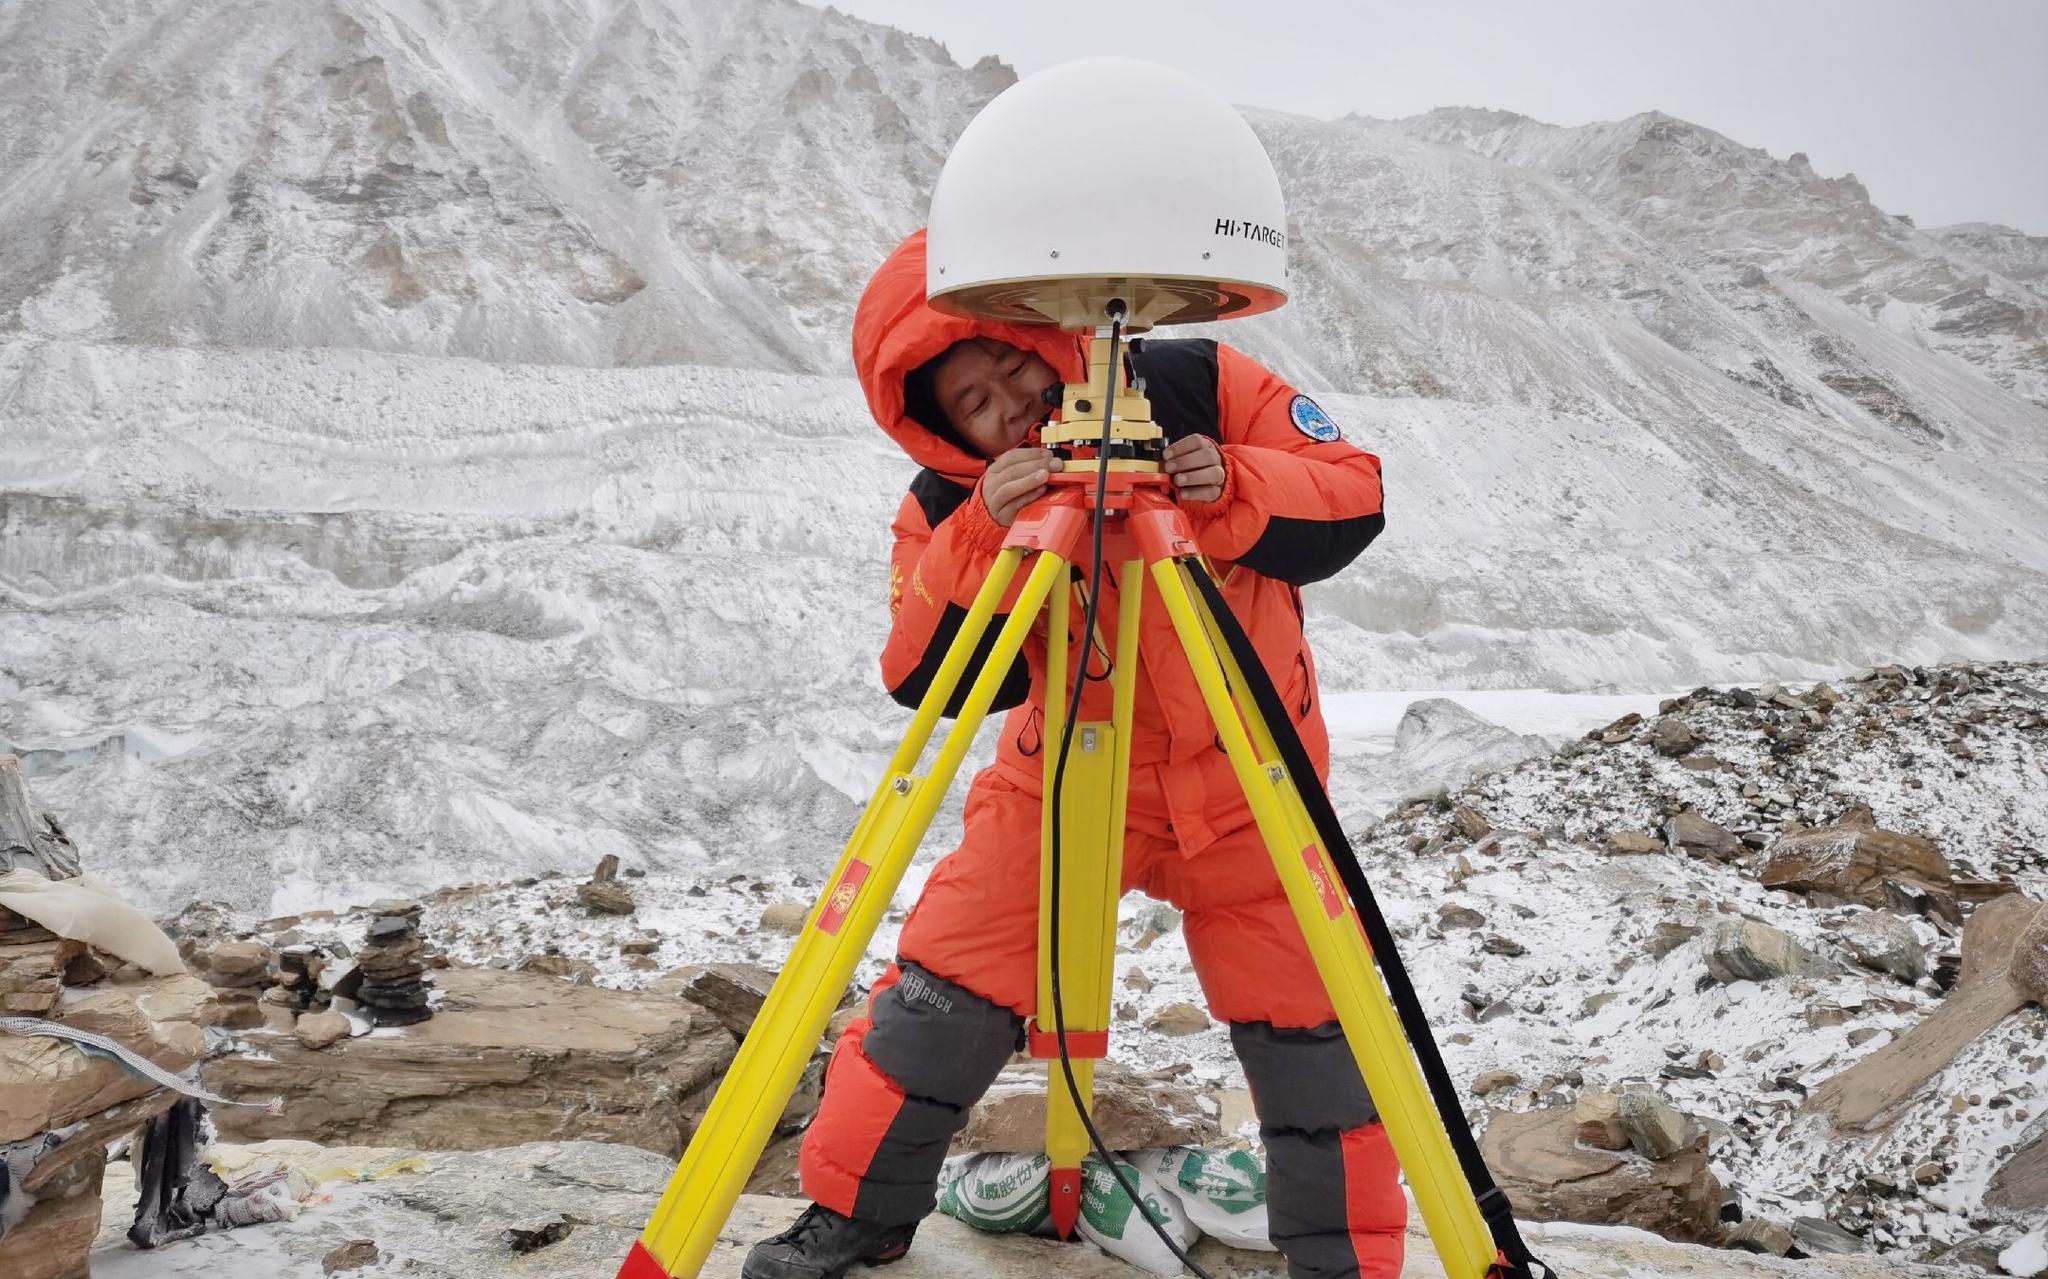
<point x="992" y="393"/>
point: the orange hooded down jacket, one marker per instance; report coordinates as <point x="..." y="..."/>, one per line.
<point x="1298" y="505"/>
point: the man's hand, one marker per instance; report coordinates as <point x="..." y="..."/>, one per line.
<point x="1014" y="480"/>
<point x="1196" y="465"/>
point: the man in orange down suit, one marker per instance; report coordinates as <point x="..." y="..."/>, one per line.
<point x="1277" y="500"/>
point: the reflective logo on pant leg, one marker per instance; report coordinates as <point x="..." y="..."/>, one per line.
<point x="916" y="990"/>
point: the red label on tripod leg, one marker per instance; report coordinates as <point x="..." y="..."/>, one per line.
<point x="1319" y="873"/>
<point x="841" y="900"/>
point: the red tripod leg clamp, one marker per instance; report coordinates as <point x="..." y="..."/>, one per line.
<point x="1080" y="1043"/>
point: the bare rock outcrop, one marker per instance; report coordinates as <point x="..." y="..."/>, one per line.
<point x="2021" y="1183"/>
<point x="1133" y="1111"/>
<point x="1862" y="864"/>
<point x="733" y="993"/>
<point x="2005" y="966"/>
<point x="1688" y="832"/>
<point x="604" y="893"/>
<point x="238" y="971"/>
<point x="1672" y="737"/>
<point x="1549" y="1176"/>
<point x="47" y="1083"/>
<point x="446" y="1219"/>
<point x="1880" y="940"/>
<point x="1746" y="950"/>
<point x="507" y="1057"/>
<point x="56" y="1238"/>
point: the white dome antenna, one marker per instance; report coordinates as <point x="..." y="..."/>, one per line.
<point x="1054" y="203"/>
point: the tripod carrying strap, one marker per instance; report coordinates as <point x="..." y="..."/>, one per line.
<point x="1516" y="1263"/>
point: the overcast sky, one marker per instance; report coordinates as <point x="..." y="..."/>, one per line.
<point x="1940" y="108"/>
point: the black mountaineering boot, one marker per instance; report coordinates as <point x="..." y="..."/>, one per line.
<point x="824" y="1245"/>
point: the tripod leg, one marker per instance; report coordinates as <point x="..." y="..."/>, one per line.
<point x="1337" y="943"/>
<point x="755" y="1091"/>
<point x="1091" y="816"/>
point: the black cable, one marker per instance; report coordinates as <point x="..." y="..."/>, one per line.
<point x="1095" y="644"/>
<point x="1493" y="1204"/>
<point x="1059" y="777"/>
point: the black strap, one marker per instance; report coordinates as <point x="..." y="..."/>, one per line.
<point x="1492" y="1201"/>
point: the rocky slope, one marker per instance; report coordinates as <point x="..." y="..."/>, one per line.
<point x="1641" y="911"/>
<point x="1763" y="234"/>
<point x="2012" y="253"/>
<point x="1594" y="914"/>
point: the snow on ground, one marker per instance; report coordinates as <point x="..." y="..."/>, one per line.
<point x="1369" y="716"/>
<point x="2027" y="1256"/>
<point x="297" y="630"/>
<point x="296" y="625"/>
<point x="1588" y="1003"/>
<point x="1964" y="769"/>
<point x="714" y="917"/>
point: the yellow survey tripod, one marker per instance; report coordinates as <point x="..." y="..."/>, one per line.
<point x="1110" y="503"/>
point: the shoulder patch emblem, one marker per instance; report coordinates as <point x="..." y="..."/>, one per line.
<point x="1311" y="421"/>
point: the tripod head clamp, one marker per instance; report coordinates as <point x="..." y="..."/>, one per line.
<point x="1076" y="434"/>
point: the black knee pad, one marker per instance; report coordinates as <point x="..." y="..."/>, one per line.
<point x="1302" y="1079"/>
<point x="939" y="1040"/>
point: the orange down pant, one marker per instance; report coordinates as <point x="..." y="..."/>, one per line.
<point x="947" y="1016"/>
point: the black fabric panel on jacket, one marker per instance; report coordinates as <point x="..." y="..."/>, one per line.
<point x="1304" y="551"/>
<point x="1180" y="380"/>
<point x="937" y="496"/>
<point x="1016" y="685"/>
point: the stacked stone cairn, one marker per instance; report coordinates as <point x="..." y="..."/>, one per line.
<point x="393" y="964"/>
<point x="238" y="971"/>
<point x="60" y="1108"/>
<point x="36" y="964"/>
<point x="33" y="962"/>
<point x="605" y="894"/>
<point x="298" y="979"/>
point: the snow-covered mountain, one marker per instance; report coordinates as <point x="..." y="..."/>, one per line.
<point x="621" y="182"/>
<point x="1746" y="225"/>
<point x="2017" y="256"/>
<point x="627" y="182"/>
<point x="308" y="608"/>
